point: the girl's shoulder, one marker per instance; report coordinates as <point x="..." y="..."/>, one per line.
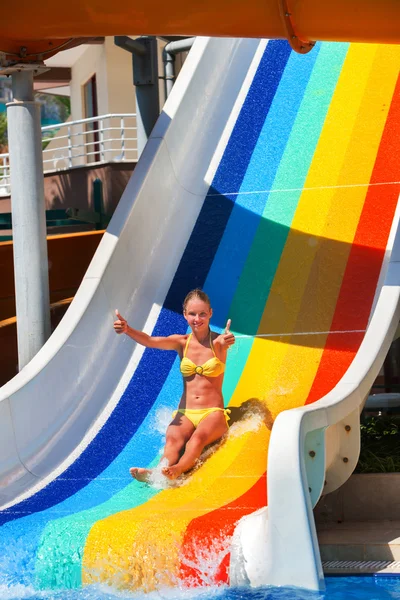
<point x="180" y="337"/>
<point x="215" y="337"/>
<point x="183" y="340"/>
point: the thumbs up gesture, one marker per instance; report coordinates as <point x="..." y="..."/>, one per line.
<point x="120" y="324"/>
<point x="228" y="326"/>
<point x="228" y="339"/>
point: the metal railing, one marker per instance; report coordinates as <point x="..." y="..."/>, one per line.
<point x="98" y="140"/>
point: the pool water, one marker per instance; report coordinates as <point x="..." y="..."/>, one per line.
<point x="337" y="588"/>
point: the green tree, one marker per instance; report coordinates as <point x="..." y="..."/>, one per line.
<point x="3" y="133"/>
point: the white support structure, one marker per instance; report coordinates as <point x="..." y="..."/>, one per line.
<point x="29" y="219"/>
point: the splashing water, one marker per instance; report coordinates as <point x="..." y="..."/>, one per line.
<point x="281" y="390"/>
<point x="163" y="417"/>
<point x="158" y="481"/>
<point x="204" y="561"/>
<point x="16" y="591"/>
<point x="253" y="420"/>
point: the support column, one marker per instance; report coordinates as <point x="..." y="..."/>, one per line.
<point x="28" y="218"/>
<point x="169" y="71"/>
<point x="145" y="78"/>
<point x="169" y="53"/>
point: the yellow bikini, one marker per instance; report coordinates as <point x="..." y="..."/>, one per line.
<point x="196" y="415"/>
<point x="213" y="367"/>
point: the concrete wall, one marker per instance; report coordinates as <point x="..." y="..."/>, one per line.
<point x="120" y="93"/>
<point x="73" y="187"/>
<point x="92" y="62"/>
<point x="364" y="497"/>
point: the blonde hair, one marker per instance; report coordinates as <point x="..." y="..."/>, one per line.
<point x="197" y="293"/>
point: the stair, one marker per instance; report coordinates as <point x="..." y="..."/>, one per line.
<point x="360" y="546"/>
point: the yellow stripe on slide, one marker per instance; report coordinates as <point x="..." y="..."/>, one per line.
<point x="140" y="547"/>
<point x="326" y="274"/>
<point x="281" y="370"/>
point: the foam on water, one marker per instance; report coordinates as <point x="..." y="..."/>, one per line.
<point x="16" y="591"/>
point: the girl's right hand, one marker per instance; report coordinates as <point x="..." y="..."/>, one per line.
<point x="120" y="325"/>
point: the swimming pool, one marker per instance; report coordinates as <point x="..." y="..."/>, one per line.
<point x="337" y="588"/>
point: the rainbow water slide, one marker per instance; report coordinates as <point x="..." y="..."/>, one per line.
<point x="271" y="180"/>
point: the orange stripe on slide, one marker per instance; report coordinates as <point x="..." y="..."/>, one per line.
<point x="365" y="259"/>
<point x="207" y="538"/>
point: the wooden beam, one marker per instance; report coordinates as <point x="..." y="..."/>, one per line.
<point x="55" y="74"/>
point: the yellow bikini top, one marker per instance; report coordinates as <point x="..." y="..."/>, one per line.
<point x="211" y="368"/>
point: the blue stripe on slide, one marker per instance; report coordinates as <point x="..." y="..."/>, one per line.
<point x="237" y="155"/>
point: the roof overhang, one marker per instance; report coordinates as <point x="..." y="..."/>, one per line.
<point x="34" y="31"/>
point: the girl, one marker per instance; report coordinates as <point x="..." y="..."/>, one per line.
<point x="201" y="418"/>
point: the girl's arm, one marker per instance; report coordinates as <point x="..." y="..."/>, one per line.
<point x="172" y="342"/>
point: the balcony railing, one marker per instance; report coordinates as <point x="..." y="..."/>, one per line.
<point x="94" y="141"/>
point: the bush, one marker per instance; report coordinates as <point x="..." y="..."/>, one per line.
<point x="380" y="444"/>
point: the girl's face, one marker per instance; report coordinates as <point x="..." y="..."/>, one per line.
<point x="198" y="314"/>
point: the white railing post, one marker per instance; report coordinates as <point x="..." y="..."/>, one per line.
<point x="101" y="127"/>
<point x="122" y="138"/>
<point x="6" y="173"/>
<point x="69" y="146"/>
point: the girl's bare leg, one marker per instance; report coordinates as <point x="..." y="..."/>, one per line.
<point x="211" y="429"/>
<point x="178" y="433"/>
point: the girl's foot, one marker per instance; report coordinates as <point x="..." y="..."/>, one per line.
<point x="172" y="472"/>
<point x="140" y="474"/>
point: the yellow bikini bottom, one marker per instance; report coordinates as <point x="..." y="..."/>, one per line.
<point x="196" y="415"/>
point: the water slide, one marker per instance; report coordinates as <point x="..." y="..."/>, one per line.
<point x="271" y="180"/>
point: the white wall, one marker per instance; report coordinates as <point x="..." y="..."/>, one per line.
<point x="92" y="62"/>
<point x="120" y="89"/>
<point x="115" y="94"/>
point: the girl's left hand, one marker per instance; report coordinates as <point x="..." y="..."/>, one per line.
<point x="226" y="339"/>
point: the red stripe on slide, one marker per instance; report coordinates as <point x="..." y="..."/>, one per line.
<point x="365" y="259"/>
<point x="205" y="549"/>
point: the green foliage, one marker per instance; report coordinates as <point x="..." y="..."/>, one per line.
<point x="58" y="107"/>
<point x="380" y="444"/>
<point x="49" y="135"/>
<point x="66" y="102"/>
<point x="3" y="132"/>
<point x="376" y="428"/>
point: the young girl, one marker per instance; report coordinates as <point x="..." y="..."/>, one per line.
<point x="201" y="418"/>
